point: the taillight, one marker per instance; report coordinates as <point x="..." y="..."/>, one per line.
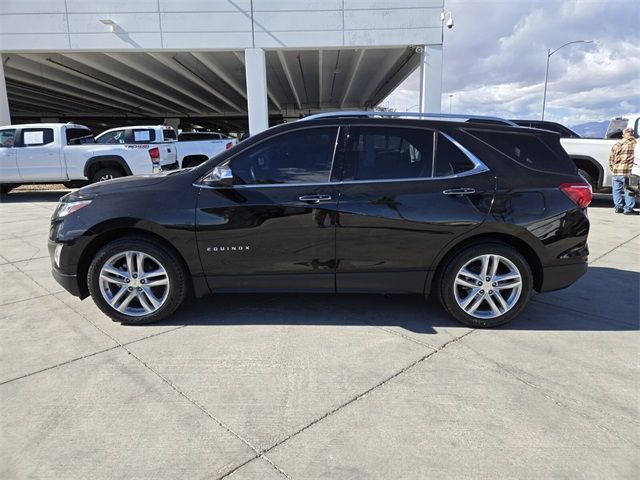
<point x="580" y="193"/>
<point x="229" y="145"/>
<point x="154" y="153"/>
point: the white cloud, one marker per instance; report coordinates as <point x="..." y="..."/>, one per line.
<point x="494" y="59"/>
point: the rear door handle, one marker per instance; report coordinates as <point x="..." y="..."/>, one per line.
<point x="459" y="191"/>
<point x="315" y="198"/>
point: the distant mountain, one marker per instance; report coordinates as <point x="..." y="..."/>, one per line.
<point x="591" y="129"/>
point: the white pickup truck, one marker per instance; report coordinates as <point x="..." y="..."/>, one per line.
<point x="193" y="148"/>
<point x="67" y="153"/>
<point x="591" y="155"/>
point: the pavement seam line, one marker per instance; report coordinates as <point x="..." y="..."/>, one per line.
<point x="547" y="394"/>
<point x="72" y="360"/>
<point x="367" y="391"/>
<point x="614" y="249"/>
<point x="180" y="392"/>
<point x="58" y="365"/>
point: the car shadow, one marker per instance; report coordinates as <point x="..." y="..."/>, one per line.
<point x="605" y="299"/>
<point x="30" y="196"/>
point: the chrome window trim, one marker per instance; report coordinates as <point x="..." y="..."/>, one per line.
<point x="479" y="167"/>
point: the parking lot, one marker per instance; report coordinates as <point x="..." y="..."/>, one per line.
<point x="317" y="386"/>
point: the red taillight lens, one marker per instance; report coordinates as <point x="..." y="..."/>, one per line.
<point x="154" y="153"/>
<point x="580" y="193"/>
<point x="229" y="145"/>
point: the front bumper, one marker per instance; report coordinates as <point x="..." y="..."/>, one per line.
<point x="68" y="281"/>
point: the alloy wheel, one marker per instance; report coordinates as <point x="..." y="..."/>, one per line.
<point x="134" y="283"/>
<point x="487" y="286"/>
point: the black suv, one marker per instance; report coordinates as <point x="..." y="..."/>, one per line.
<point x="478" y="211"/>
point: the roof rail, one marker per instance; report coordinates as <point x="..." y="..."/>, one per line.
<point x="440" y="116"/>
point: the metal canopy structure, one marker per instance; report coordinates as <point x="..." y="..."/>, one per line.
<point x="199" y="84"/>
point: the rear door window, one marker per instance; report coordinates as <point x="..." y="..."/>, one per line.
<point x="526" y="149"/>
<point x="387" y="153"/>
<point x="33" y="137"/>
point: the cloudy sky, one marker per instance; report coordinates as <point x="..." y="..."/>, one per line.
<point x="494" y="60"/>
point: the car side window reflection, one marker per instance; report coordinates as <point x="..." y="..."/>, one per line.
<point x="378" y="153"/>
<point x="303" y="156"/>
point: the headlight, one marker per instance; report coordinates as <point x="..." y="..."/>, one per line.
<point x="65" y="209"/>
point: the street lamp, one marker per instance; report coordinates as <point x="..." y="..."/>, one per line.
<point x="546" y="72"/>
<point x="450" y="99"/>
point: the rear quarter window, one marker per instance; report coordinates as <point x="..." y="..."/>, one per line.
<point x="538" y="152"/>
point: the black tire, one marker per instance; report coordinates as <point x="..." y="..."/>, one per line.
<point x="106" y="173"/>
<point x="589" y="179"/>
<point x="176" y="272"/>
<point x="446" y="284"/>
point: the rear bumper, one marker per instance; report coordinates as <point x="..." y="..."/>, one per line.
<point x="559" y="277"/>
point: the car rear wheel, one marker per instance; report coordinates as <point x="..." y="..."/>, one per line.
<point x="486" y="285"/>
<point x="134" y="281"/>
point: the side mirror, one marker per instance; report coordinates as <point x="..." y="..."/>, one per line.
<point x="220" y="176"/>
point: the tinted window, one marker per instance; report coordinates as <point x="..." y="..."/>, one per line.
<point x="7" y="138"/>
<point x="78" y="136"/>
<point x="168" y="134"/>
<point x="378" y="153"/>
<point x="450" y="160"/>
<point x="189" y="136"/>
<point x="526" y="149"/>
<point x="117" y="136"/>
<point x="140" y="135"/>
<point x="32" y="137"/>
<point x="296" y="157"/>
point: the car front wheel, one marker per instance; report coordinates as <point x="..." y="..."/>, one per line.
<point x="135" y="281"/>
<point x="486" y="285"/>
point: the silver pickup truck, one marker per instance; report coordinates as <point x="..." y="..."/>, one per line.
<point x="67" y="153"/>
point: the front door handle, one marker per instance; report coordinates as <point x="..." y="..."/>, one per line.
<point x="315" y="198"/>
<point x="459" y="191"/>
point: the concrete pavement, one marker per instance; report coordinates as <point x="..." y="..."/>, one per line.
<point x="317" y="386"/>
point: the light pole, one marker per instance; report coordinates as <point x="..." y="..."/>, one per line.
<point x="546" y="71"/>
<point x="450" y="99"/>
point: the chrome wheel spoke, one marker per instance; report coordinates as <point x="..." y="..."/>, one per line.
<point x="123" y="306"/>
<point x="507" y="276"/>
<point x="465" y="283"/>
<point x="503" y="303"/>
<point x="151" y="297"/>
<point x="130" y="263"/>
<point x="114" y="276"/>
<point x="507" y="286"/>
<point x="116" y="298"/>
<point x="493" y="306"/>
<point x="474" y="306"/>
<point x="465" y="303"/>
<point x="142" y="298"/>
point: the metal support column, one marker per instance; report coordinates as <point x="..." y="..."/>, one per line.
<point x="431" y="79"/>
<point x="258" y="107"/>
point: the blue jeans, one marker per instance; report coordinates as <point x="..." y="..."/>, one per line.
<point x="629" y="201"/>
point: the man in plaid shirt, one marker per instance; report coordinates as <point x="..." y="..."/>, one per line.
<point x="621" y="163"/>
